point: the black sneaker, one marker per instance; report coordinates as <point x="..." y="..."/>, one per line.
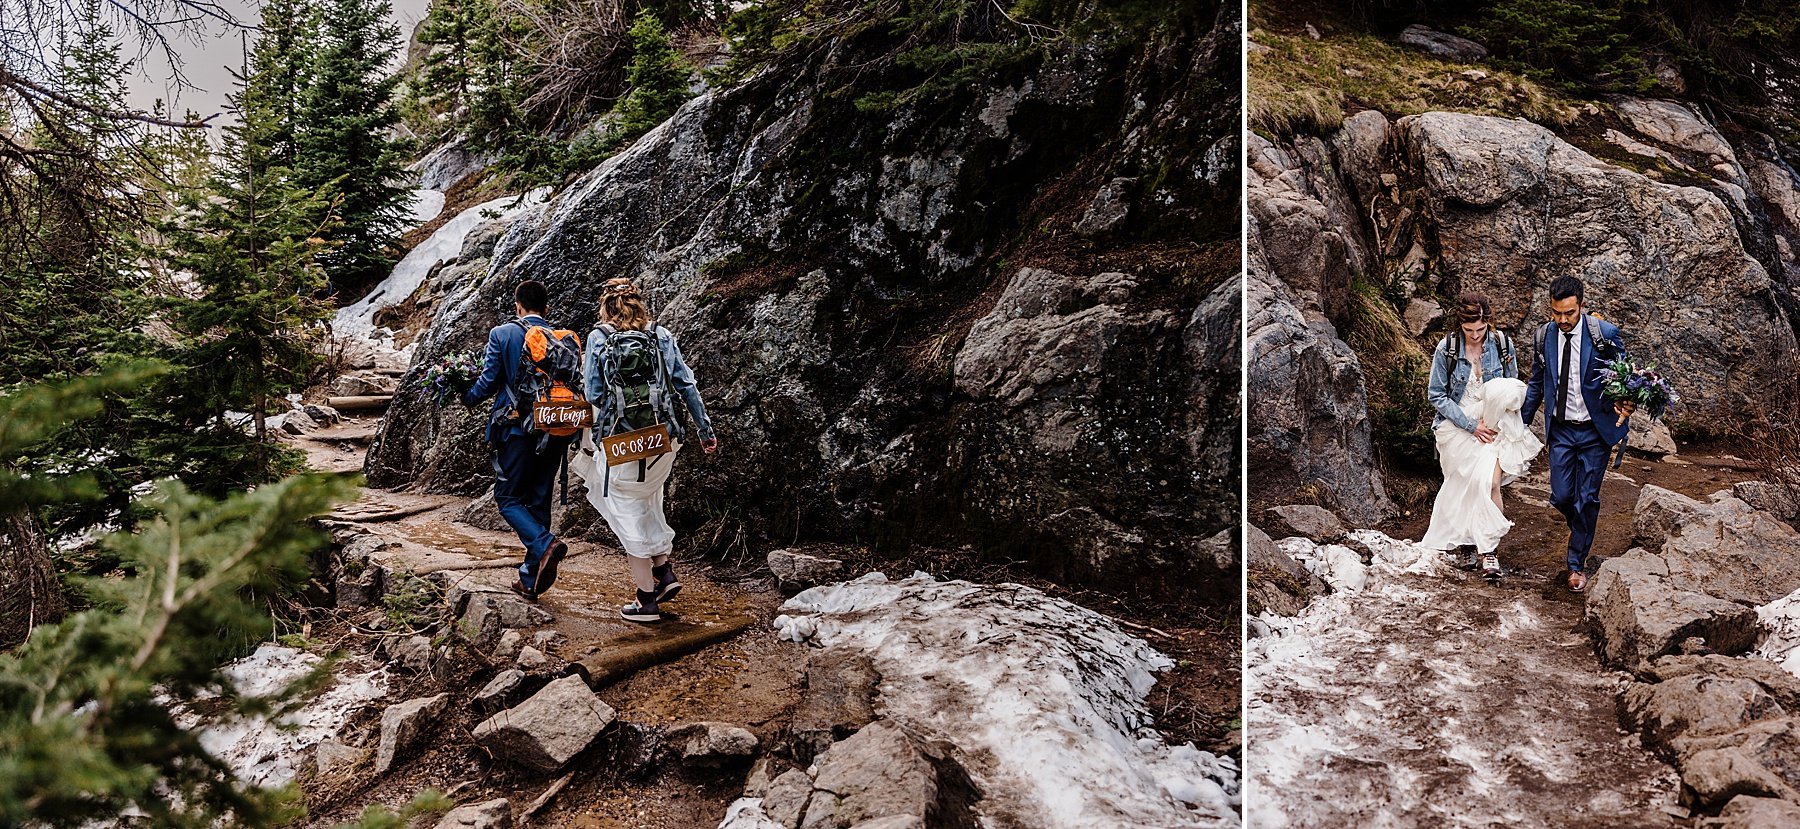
<point x="1490" y="567"/>
<point x="666" y="583"/>
<point x="642" y="610"/>
<point x="547" y="572"/>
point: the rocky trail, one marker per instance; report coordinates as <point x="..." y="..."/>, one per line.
<point x="1416" y="694"/>
<point x="740" y="709"/>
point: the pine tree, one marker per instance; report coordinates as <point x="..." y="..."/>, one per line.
<point x="345" y="114"/>
<point x="250" y="243"/>
<point x="443" y="79"/>
<point x="658" y="78"/>
<point x="280" y="73"/>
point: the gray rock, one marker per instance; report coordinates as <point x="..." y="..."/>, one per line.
<point x="363" y="384"/>
<point x="403" y="725"/>
<point x="1724" y="548"/>
<point x="1754" y="813"/>
<point x="457" y="593"/>
<point x="796" y="571"/>
<point x="482" y="514"/>
<point x="331" y="756"/>
<point x="1779" y="500"/>
<point x="500" y="692"/>
<point x="548" y="730"/>
<point x="1109" y="208"/>
<point x="1276" y="582"/>
<point x="1651" y="437"/>
<point x="360" y="584"/>
<point x="1421" y="315"/>
<point x="1307" y="521"/>
<point x="756" y="783"/>
<point x="713" y="743"/>
<point x="532" y="659"/>
<point x="1672" y="715"/>
<point x="413" y="653"/>
<point x="494" y="814"/>
<point x="879" y="772"/>
<point x="787" y="798"/>
<point x="298" y="422"/>
<point x="1756" y="761"/>
<point x="893" y="822"/>
<point x="486" y="615"/>
<point x="1638" y="612"/>
<point x="548" y="640"/>
<point x="1442" y="44"/>
<point x="837" y="700"/>
<point x="322" y="414"/>
<point x="507" y="647"/>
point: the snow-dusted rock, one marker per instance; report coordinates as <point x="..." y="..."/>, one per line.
<point x="265" y="752"/>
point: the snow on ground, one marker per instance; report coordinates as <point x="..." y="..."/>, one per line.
<point x="266" y="752"/>
<point x="358" y="319"/>
<point x="425" y="206"/>
<point x="1042" y="699"/>
<point x="1414" y="696"/>
<point x="1780" y="621"/>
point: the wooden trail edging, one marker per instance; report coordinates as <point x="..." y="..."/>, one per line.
<point x="662" y="642"/>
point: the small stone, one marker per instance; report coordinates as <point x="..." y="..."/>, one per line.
<point x="332" y="755"/>
<point x="531" y="658"/>
<point x="1307" y="521"/>
<point x="498" y="693"/>
<point x="758" y="782"/>
<point x="297" y="422"/>
<point x="508" y="646"/>
<point x="494" y="814"/>
<point x="796" y="571"/>
<point x="323" y="414"/>
<point x="548" y="640"/>
<point x="403" y="724"/>
<point x="713" y="743"/>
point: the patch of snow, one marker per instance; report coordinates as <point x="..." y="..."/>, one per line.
<point x="358" y="319"/>
<point x="1780" y="620"/>
<point x="1043" y="700"/>
<point x="747" y="813"/>
<point x="268" y="753"/>
<point x="425" y="205"/>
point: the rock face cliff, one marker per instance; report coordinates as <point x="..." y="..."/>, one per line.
<point x="1682" y="230"/>
<point x="1005" y="319"/>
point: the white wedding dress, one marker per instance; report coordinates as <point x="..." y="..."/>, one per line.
<point x="633" y="509"/>
<point x="1466" y="511"/>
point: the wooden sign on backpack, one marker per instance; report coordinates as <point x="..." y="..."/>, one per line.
<point x="636" y="445"/>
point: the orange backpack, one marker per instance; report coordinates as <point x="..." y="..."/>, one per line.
<point x="550" y="379"/>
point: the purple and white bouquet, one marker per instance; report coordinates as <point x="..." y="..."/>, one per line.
<point x="452" y="375"/>
<point x="1623" y="381"/>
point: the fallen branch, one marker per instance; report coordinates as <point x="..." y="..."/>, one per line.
<point x="544" y="799"/>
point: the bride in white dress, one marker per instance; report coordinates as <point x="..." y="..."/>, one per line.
<point x="1482" y="442"/>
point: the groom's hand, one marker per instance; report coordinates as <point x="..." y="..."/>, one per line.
<point x="1484" y="434"/>
<point x="1624" y="408"/>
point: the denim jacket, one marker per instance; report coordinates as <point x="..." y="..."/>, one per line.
<point x="1445" y="392"/>
<point x="681" y="381"/>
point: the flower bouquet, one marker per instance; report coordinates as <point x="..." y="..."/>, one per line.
<point x="452" y="375"/>
<point x="1622" y="381"/>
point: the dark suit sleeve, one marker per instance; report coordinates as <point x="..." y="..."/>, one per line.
<point x="491" y="373"/>
<point x="1534" y="386"/>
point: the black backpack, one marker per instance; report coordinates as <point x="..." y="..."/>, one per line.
<point x="1603" y="349"/>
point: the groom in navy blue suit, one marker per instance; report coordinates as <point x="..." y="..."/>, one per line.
<point x="1580" y="425"/>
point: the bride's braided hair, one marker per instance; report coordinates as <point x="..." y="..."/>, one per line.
<point x="622" y="306"/>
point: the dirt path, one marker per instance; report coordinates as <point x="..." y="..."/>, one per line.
<point x="1435" y="699"/>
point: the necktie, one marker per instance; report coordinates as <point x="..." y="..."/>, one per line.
<point x="1562" y="378"/>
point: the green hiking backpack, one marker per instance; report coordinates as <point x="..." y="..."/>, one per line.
<point x="639" y="381"/>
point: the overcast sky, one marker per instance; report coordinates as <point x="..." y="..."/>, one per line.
<point x="209" y="58"/>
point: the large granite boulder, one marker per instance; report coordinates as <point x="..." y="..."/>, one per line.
<point x="835" y="276"/>
<point x="1638" y="611"/>
<point x="546" y="731"/>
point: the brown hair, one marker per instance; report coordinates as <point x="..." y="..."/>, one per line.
<point x="1472" y="307"/>
<point x="622" y="306"/>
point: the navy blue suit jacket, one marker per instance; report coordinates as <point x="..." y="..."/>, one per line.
<point x="499" y="374"/>
<point x="1542" y="388"/>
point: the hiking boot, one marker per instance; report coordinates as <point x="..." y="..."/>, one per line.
<point x="1490" y="567"/>
<point x="666" y="584"/>
<point x="642" y="610"/>
<point x="1577" y="581"/>
<point x="547" y="571"/>
<point x="1471" y="560"/>
<point x="524" y="592"/>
